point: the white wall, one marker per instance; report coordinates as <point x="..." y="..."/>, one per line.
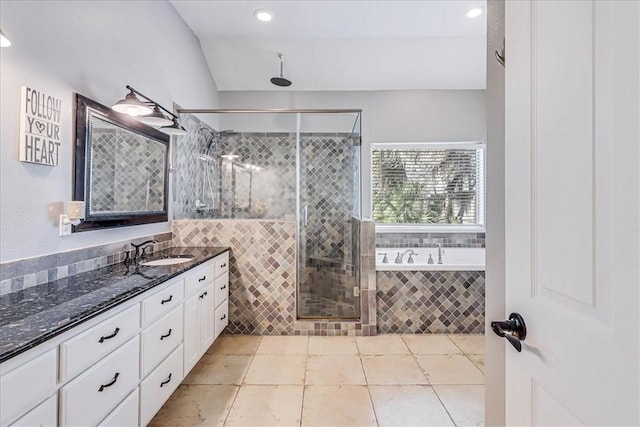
<point x="495" y="286"/>
<point x="94" y="48"/>
<point x="387" y="116"/>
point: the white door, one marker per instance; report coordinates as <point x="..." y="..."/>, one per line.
<point x="572" y="211"/>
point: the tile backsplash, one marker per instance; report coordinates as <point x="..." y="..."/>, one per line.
<point x="25" y="273"/>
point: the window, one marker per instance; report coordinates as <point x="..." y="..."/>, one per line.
<point x="440" y="185"/>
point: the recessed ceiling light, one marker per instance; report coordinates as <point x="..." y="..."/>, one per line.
<point x="263" y="15"/>
<point x="474" y="12"/>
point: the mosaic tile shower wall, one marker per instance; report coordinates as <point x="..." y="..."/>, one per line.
<point x="415" y="302"/>
<point x="141" y="188"/>
<point x="262" y="278"/>
<point x="196" y="173"/>
<point x="429" y="240"/>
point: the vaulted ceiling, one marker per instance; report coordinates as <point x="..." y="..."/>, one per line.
<point x="341" y="45"/>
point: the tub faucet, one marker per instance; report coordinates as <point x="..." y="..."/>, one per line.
<point x="440" y="252"/>
<point x="385" y="260"/>
<point x="411" y="253"/>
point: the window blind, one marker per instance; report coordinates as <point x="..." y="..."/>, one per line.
<point x="428" y="185"/>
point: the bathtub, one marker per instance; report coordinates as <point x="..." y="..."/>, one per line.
<point x="453" y="259"/>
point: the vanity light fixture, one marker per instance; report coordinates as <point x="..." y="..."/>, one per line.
<point x="263" y="15"/>
<point x="230" y="156"/>
<point x="156" y="118"/>
<point x="4" y="41"/>
<point x="474" y="12"/>
<point x="133" y="106"/>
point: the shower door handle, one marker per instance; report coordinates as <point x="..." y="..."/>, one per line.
<point x="305" y="216"/>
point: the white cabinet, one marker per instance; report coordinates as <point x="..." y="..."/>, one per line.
<point x="159" y="339"/>
<point x="199" y="325"/>
<point x="91" y="396"/>
<point x="158" y="386"/>
<point x="43" y="415"/>
<point x="24" y="387"/>
<point x="82" y="351"/>
<point x="119" y="368"/>
<point x="126" y="414"/>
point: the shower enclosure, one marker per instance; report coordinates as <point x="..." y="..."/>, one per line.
<point x="293" y="165"/>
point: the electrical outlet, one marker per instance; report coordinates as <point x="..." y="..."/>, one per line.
<point x="356" y="291"/>
<point x="65" y="226"/>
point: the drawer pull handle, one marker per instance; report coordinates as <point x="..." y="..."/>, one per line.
<point x="223" y="265"/>
<point x="108" y="337"/>
<point x="223" y="287"/>
<point x="224" y="316"/>
<point x="113" y="381"/>
<point x="205" y="293"/>
<point x="201" y="296"/>
<point x="202" y="278"/>
<point x="167" y="335"/>
<point x="167" y="300"/>
<point x="162" y="384"/>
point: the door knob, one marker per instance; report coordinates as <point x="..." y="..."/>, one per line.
<point x="514" y="330"/>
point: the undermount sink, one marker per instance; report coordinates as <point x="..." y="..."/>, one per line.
<point x="167" y="261"/>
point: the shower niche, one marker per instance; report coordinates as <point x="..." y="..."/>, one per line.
<point x="299" y="166"/>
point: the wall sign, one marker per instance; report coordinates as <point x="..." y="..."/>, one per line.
<point x="39" y="127"/>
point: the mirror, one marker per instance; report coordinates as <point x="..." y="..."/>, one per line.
<point x="121" y="169"/>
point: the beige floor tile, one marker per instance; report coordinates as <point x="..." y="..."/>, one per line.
<point x="332" y="345"/>
<point x="330" y="406"/>
<point x="196" y="405"/>
<point x="430" y="344"/>
<point x="266" y="406"/>
<point x="343" y="369"/>
<point x="408" y="405"/>
<point x="392" y="370"/>
<point x="450" y="369"/>
<point x="465" y="403"/>
<point x="283" y="345"/>
<point x="277" y="369"/>
<point x="470" y="344"/>
<point x="213" y="369"/>
<point x="235" y="344"/>
<point x="382" y="344"/>
<point x="478" y="360"/>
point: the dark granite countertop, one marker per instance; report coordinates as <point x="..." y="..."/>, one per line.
<point x="34" y="315"/>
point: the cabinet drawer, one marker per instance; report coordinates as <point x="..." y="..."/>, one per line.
<point x="199" y="278"/>
<point x="222" y="264"/>
<point x="222" y="288"/>
<point x="125" y="415"/>
<point x="26" y="386"/>
<point x="161" y="303"/>
<point x="43" y="415"/>
<point x="159" y="385"/>
<point x="88" y="398"/>
<point x="159" y="339"/>
<point x="84" y="350"/>
<point x="222" y="318"/>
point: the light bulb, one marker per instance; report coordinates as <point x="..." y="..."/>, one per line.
<point x="474" y="12"/>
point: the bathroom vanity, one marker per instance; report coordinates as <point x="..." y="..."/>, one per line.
<point x="109" y="347"/>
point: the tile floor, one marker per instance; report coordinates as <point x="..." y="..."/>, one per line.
<point x="385" y="380"/>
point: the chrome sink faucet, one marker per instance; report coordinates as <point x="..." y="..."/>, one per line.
<point x="399" y="257"/>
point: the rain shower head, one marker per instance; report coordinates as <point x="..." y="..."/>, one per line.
<point x="281" y="81"/>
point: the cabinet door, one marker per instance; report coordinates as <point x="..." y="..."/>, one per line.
<point x="221" y="317"/>
<point x="191" y="333"/>
<point x="207" y="319"/>
<point x="43" y="415"/>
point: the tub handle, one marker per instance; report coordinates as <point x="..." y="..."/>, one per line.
<point x="385" y="260"/>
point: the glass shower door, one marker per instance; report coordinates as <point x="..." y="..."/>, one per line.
<point x="329" y="204"/>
